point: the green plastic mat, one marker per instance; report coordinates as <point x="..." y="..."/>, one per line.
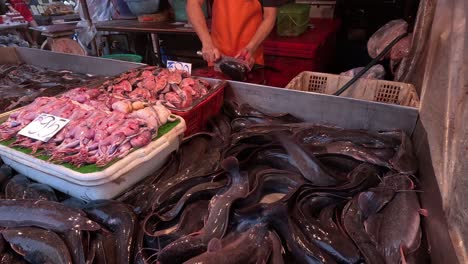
<point x="90" y="168"/>
<point x="124" y="57"/>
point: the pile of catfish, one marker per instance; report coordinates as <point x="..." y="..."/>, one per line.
<point x="255" y="188"/>
<point x="21" y="84"/>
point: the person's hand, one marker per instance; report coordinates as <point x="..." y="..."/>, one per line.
<point x="211" y="54"/>
<point x="246" y="54"/>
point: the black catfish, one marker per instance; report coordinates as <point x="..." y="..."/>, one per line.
<point x="252" y="246"/>
<point x="45" y="214"/>
<point x="396" y="227"/>
<point x="310" y="167"/>
<point x="217" y="221"/>
<point x="38" y="245"/>
<point x="353" y="222"/>
<point x="121" y="220"/>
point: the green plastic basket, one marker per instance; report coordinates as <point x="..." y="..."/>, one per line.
<point x="293" y="19"/>
<point x="124" y="57"/>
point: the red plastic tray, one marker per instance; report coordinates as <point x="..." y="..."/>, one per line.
<point x="196" y="117"/>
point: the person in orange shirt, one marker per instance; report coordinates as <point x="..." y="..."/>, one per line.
<point x="238" y="27"/>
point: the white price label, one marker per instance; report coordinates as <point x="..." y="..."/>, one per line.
<point x="44" y="127"/>
<point x="176" y="65"/>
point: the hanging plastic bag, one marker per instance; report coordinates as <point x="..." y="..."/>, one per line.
<point x="385" y="35"/>
<point x="401" y="49"/>
<point x="375" y="72"/>
<point x="121" y="10"/>
<point x="99" y="10"/>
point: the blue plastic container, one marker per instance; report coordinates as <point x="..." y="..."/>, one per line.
<point x="143" y="7"/>
<point x="180" y="11"/>
<point x="121" y="10"/>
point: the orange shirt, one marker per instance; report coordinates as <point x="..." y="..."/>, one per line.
<point x="234" y="23"/>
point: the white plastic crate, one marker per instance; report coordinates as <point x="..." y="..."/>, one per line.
<point x="366" y="89"/>
<point x="105" y="184"/>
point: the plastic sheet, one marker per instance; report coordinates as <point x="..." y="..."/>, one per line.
<point x="99" y="10"/>
<point x="121" y="10"/>
<point x="437" y="63"/>
<point x="401" y="49"/>
<point x="385" y="35"/>
<point x="375" y="72"/>
<point x="399" y="52"/>
<point x="422" y="29"/>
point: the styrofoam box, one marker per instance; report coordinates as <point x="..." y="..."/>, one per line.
<point x="105" y="184"/>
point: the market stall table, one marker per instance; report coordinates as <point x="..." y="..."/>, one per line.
<point x="57" y="30"/>
<point x="153" y="28"/>
<point x="55" y="19"/>
<point x="312" y="51"/>
<point x="11" y="26"/>
<point x="344" y="112"/>
<point x="286" y="57"/>
<point x="144" y="27"/>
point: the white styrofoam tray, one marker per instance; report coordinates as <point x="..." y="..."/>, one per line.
<point x="105" y="184"/>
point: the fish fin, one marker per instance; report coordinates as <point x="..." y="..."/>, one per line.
<point x="230" y="164"/>
<point x="18" y="249"/>
<point x="423" y="212"/>
<point x="196" y="233"/>
<point x="372" y="227"/>
<point x="365" y="204"/>
<point x="402" y="254"/>
<point x="412" y="185"/>
<point x="214" y="245"/>
<point x="105" y="231"/>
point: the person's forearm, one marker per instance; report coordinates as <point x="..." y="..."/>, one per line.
<point x="12" y="9"/>
<point x="198" y="21"/>
<point x="269" y="19"/>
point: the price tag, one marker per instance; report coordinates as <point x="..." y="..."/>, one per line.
<point x="44" y="127"/>
<point x="176" y="65"/>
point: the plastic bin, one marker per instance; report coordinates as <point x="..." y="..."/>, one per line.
<point x="143" y="7"/>
<point x="366" y="89"/>
<point x="124" y="57"/>
<point x="181" y="12"/>
<point x="105" y="184"/>
<point x="290" y="67"/>
<point x="293" y="20"/>
<point x="312" y="51"/>
<point x="121" y="10"/>
<point x="197" y="116"/>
